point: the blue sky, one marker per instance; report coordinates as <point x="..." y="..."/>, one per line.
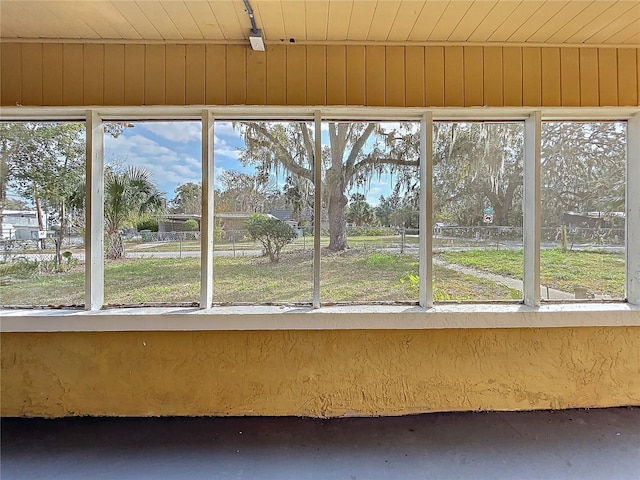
<point x="171" y="151"/>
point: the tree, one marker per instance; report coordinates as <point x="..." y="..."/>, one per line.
<point x="188" y="199"/>
<point x="190" y="225"/>
<point x="45" y="163"/>
<point x="354" y="153"/>
<point x="478" y="165"/>
<point x="129" y="197"/>
<point x="359" y="211"/>
<point x="243" y="192"/>
<point x="272" y="233"/>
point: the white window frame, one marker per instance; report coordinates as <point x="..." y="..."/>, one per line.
<point x="424" y="315"/>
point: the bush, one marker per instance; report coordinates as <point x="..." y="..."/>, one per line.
<point x="150" y="224"/>
<point x="190" y="226"/>
<point x="272" y="233"/>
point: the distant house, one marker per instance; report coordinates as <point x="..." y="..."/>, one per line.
<point x="22" y="224"/>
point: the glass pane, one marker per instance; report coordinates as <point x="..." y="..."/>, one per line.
<point x="152" y="194"/>
<point x="370" y="175"/>
<point x="42" y="224"/>
<point x="477" y="211"/>
<point x="583" y="203"/>
<point x="263" y="212"/>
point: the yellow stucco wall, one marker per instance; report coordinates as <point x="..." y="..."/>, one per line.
<point x="318" y="373"/>
<point x="54" y="74"/>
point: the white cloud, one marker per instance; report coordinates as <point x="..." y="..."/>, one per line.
<point x="182" y="132"/>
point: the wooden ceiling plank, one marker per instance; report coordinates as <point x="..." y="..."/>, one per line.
<point x="385" y="14"/>
<point x="205" y="20"/>
<point x="294" y="18"/>
<point x="631" y="30"/>
<point x="474" y="17"/>
<point x="405" y="20"/>
<point x="131" y="11"/>
<point x="361" y="17"/>
<point x="449" y="20"/>
<point x="107" y="14"/>
<point x="13" y="23"/>
<point x="515" y="20"/>
<point x="537" y="21"/>
<point x="614" y="27"/>
<point x="316" y="20"/>
<point x="160" y="20"/>
<point x="496" y="17"/>
<point x="338" y="20"/>
<point x="614" y="10"/>
<point x="558" y="21"/>
<point x="182" y="19"/>
<point x="593" y="11"/>
<point x="427" y="20"/>
<point x="272" y="22"/>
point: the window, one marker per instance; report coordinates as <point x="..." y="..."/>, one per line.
<point x="42" y="213"/>
<point x="583" y="210"/>
<point x="152" y="210"/>
<point x="337" y="217"/>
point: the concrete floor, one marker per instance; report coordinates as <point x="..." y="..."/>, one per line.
<point x="580" y="444"/>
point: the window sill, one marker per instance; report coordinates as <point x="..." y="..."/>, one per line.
<point x="356" y="317"/>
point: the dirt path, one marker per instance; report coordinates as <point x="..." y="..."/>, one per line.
<point x="545" y="292"/>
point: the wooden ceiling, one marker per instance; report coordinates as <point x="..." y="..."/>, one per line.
<point x="572" y="22"/>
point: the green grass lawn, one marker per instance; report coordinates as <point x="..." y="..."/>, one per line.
<point x="355" y="275"/>
<point x="601" y="272"/>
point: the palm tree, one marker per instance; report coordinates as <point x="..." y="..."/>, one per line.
<point x="129" y="196"/>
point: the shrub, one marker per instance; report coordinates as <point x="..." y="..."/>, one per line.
<point x="272" y="233"/>
<point x="190" y="226"/>
<point x="148" y="224"/>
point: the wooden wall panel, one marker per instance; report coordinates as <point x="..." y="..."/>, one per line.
<point x="627" y="77"/>
<point x="154" y="74"/>
<point x="493" y="89"/>
<point x="316" y="75"/>
<point x="473" y="75"/>
<point x="414" y="77"/>
<point x="195" y="74"/>
<point x="256" y="78"/>
<point x="375" y="76"/>
<point x="551" y="77"/>
<point x="32" y="74"/>
<point x="94" y="74"/>
<point x="216" y="71"/>
<point x="297" y="75"/>
<point x="175" y="66"/>
<point x="11" y="71"/>
<point x="531" y="77"/>
<point x="236" y="75"/>
<point x="454" y="77"/>
<point x="114" y="74"/>
<point x="394" y="77"/>
<point x="134" y="74"/>
<point x="434" y="67"/>
<point x="589" y="96"/>
<point x="336" y="75"/>
<point x="72" y="74"/>
<point x="52" y="64"/>
<point x="607" y="67"/>
<point x="277" y="75"/>
<point x="355" y="75"/>
<point x="570" y="77"/>
<point x="512" y="76"/>
<point x="175" y="74"/>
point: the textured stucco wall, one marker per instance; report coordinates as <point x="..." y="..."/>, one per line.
<point x="317" y="373"/>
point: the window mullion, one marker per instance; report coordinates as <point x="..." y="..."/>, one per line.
<point x="94" y="205"/>
<point x="531" y="207"/>
<point x="207" y="218"/>
<point x="426" y="211"/>
<point x="633" y="210"/>
<point x="317" y="207"/>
